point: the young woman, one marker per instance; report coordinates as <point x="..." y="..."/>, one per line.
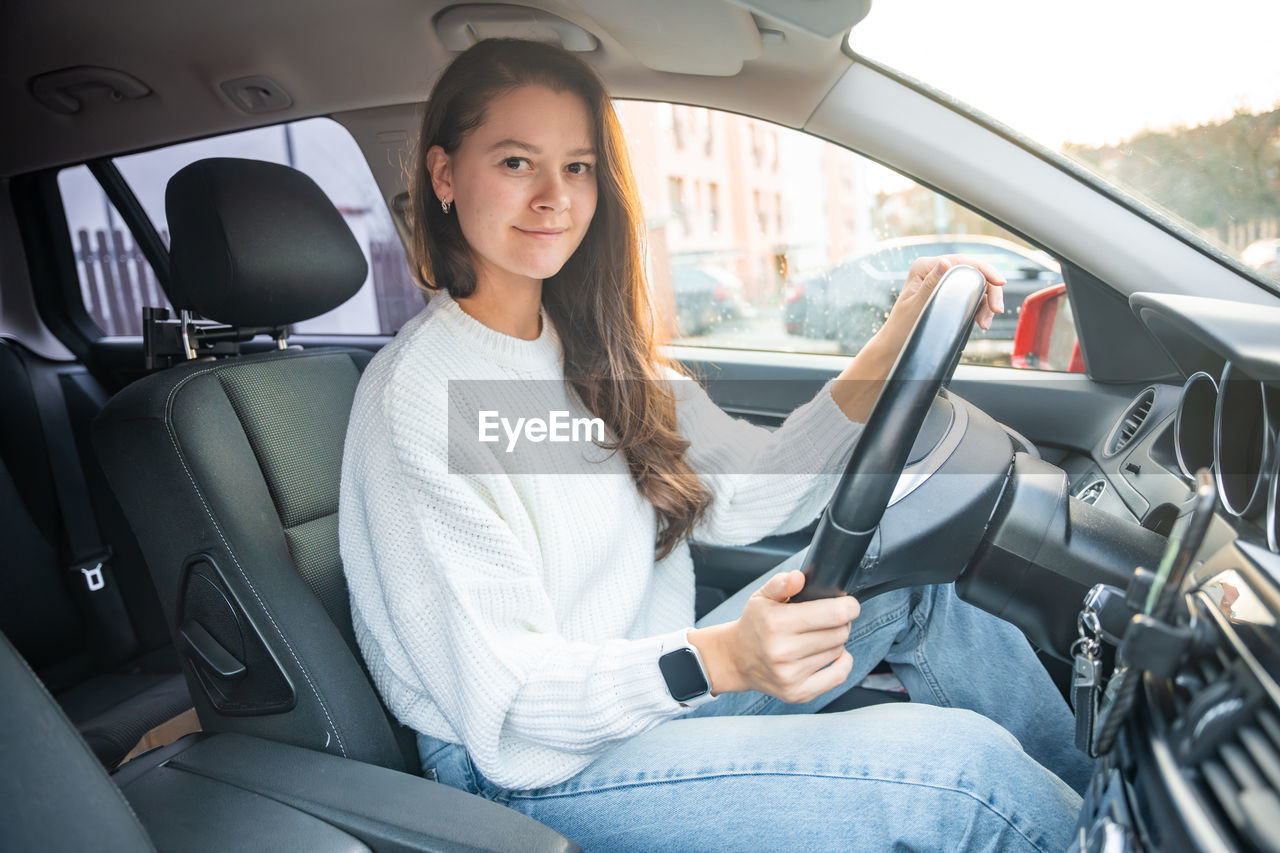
<point x="514" y="604"/>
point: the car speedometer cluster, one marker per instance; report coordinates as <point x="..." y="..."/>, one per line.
<point x="1230" y="426"/>
<point x="1273" y="508"/>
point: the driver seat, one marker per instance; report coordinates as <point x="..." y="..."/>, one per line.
<point x="228" y="469"/>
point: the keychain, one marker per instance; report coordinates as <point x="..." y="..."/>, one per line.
<point x="1086" y="677"/>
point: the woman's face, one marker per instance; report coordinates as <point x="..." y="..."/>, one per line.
<point x="523" y="184"/>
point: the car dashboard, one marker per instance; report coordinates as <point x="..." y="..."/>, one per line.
<point x="1197" y="762"/>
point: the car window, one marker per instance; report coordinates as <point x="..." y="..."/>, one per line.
<point x="320" y="147"/>
<point x="1196" y="140"/>
<point x="766" y="238"/>
<point x="116" y="281"/>
<point x="760" y="237"/>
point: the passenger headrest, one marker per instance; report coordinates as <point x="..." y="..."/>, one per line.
<point x="257" y="244"/>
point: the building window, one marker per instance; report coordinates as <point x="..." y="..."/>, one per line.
<point x="675" y="196"/>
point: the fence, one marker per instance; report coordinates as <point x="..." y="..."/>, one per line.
<point x="1238" y="235"/>
<point x="398" y="298"/>
<point x="116" y="281"/>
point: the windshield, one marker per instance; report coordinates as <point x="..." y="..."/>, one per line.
<point x="1176" y="103"/>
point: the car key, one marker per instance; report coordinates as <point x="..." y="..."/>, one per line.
<point x="1086" y="678"/>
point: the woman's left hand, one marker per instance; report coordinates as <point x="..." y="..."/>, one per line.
<point x="922" y="278"/>
<point x="862" y="379"/>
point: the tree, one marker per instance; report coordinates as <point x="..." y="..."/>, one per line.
<point x="1214" y="176"/>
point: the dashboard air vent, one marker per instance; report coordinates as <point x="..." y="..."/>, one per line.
<point x="1092" y="492"/>
<point x="1226" y="736"/>
<point x="1131" y="421"/>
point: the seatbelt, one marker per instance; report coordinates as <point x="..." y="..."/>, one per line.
<point x="90" y="568"/>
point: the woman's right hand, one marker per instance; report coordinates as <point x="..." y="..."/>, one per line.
<point x="792" y="651"/>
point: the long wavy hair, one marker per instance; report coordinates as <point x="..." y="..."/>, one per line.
<point x="599" y="301"/>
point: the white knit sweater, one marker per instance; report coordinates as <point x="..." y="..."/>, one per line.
<point x="519" y="614"/>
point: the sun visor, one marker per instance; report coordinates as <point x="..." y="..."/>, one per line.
<point x="822" y="18"/>
<point x="459" y="27"/>
<point x="670" y="35"/>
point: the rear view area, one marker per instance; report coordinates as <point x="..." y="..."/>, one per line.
<point x="75" y="596"/>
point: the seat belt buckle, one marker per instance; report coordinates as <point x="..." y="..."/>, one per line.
<point x="93" y="570"/>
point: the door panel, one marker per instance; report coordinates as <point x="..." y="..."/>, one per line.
<point x="1064" y="410"/>
<point x="1067" y="412"/>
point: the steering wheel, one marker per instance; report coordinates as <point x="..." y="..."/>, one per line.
<point x="837" y="560"/>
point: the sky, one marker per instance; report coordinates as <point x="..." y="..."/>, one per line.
<point x="1086" y="71"/>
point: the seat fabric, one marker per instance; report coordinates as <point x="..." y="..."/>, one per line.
<point x="57" y="795"/>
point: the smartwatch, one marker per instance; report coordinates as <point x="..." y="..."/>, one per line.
<point x="686" y="677"/>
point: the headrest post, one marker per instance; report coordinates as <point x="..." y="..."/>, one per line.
<point x="184" y="319"/>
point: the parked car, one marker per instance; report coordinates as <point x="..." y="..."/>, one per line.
<point x="848" y="303"/>
<point x="705" y="297"/>
<point x="223" y="589"/>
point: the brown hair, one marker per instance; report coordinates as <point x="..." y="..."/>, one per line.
<point x="599" y="301"/>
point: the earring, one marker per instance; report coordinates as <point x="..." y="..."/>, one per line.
<point x="444" y="205"/>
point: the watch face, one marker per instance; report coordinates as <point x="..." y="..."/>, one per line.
<point x="683" y="674"/>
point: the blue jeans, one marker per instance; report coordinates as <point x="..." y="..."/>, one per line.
<point x="750" y="772"/>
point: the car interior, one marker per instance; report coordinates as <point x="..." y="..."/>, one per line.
<point x="170" y="494"/>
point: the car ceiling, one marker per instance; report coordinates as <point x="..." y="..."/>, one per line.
<point x="334" y="55"/>
<point x="370" y="63"/>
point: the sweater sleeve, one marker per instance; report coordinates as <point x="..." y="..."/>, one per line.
<point x="765" y="482"/>
<point x="455" y="616"/>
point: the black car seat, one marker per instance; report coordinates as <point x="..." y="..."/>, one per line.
<point x="228" y="469"/>
<point x="75" y="597"/>
<point x="55" y="793"/>
<point x="224" y="792"/>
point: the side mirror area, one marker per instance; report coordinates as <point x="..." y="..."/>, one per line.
<point x="1034" y="273"/>
<point x="1046" y="334"/>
